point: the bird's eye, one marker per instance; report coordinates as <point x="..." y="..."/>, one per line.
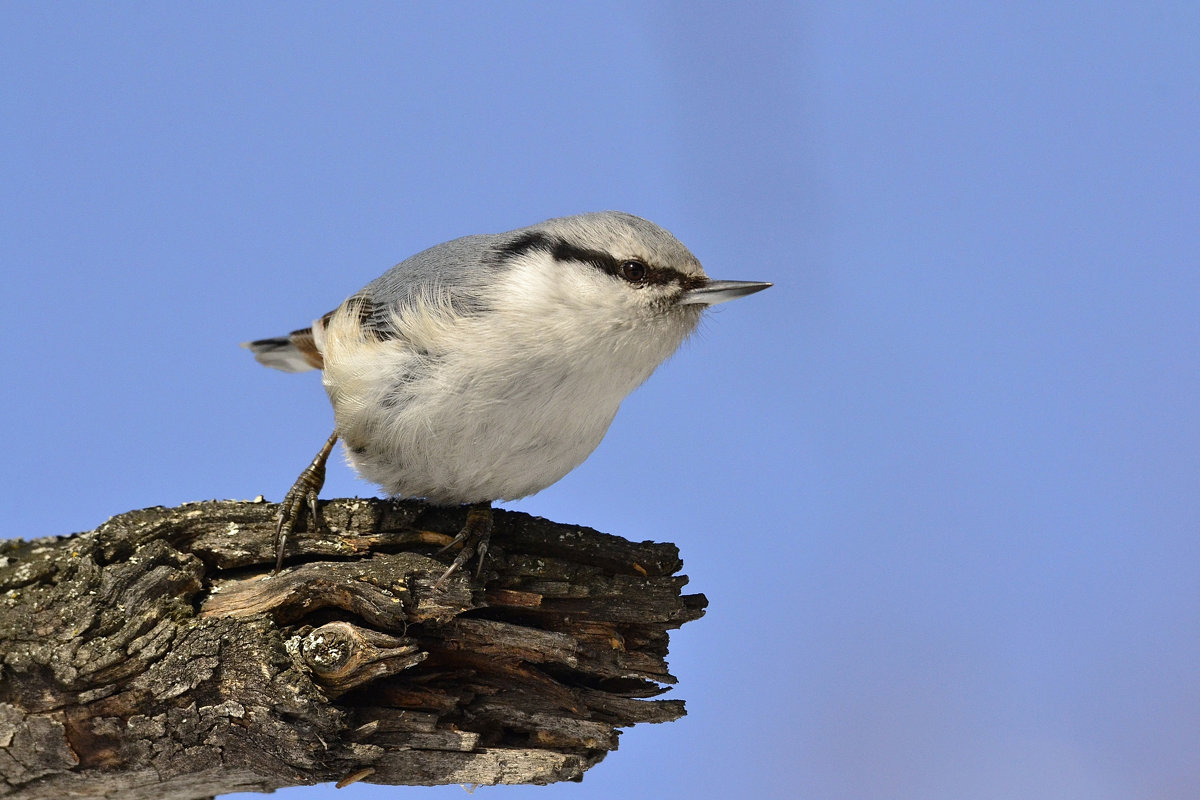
<point x="633" y="271"/>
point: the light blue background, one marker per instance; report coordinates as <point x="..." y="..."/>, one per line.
<point x="940" y="484"/>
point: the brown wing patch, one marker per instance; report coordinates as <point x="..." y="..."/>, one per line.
<point x="303" y="341"/>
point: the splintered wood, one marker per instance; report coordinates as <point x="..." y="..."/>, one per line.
<point x="157" y="656"/>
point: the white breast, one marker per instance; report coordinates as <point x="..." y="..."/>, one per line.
<point x="496" y="405"/>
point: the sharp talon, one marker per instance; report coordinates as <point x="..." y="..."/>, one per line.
<point x="305" y="490"/>
<point x="480" y="552"/>
<point x="474" y="536"/>
<point x="438" y="583"/>
<point x="280" y="542"/>
<point x="459" y="538"/>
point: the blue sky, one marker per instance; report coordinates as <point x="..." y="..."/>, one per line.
<point x="940" y="484"/>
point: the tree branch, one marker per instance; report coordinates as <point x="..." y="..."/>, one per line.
<point x="156" y="657"/>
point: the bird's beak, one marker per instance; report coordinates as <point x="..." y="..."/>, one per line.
<point x="715" y="292"/>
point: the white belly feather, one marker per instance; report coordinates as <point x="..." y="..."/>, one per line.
<point x="461" y="409"/>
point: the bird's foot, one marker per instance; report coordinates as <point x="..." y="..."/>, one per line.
<point x="475" y="536"/>
<point x="303" y="492"/>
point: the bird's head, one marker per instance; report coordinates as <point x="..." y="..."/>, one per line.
<point x="615" y="268"/>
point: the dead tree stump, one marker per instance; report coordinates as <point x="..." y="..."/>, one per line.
<point x="157" y="658"/>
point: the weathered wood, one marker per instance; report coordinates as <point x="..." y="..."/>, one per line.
<point x="156" y="657"/>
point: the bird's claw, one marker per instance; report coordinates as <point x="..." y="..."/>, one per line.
<point x="474" y="537"/>
<point x="303" y="492"/>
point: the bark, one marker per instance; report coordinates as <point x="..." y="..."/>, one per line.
<point x="156" y="657"/>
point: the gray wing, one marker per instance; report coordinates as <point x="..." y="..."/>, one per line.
<point x="458" y="270"/>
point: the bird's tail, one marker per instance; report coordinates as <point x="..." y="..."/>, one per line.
<point x="296" y="352"/>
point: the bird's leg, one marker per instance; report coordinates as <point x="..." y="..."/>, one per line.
<point x="304" y="490"/>
<point x="474" y="536"/>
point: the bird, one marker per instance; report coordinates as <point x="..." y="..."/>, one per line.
<point x="486" y="368"/>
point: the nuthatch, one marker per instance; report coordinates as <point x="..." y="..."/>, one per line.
<point x="488" y="367"/>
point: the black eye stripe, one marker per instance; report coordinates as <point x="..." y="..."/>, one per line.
<point x="563" y="250"/>
<point x="523" y="244"/>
